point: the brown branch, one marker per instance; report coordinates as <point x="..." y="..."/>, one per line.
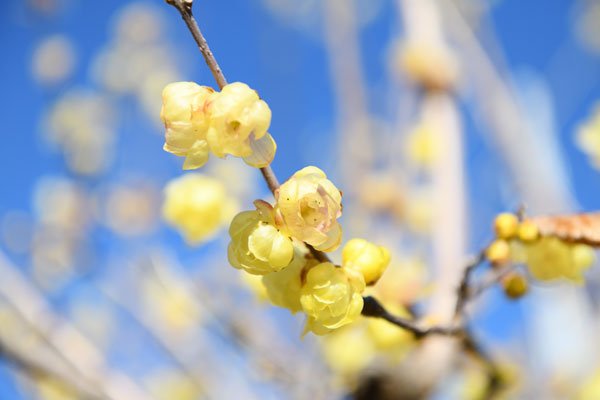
<point x="463" y="289"/>
<point x="373" y="308"/>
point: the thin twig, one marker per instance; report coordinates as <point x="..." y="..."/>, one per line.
<point x="373" y="308"/>
<point x="463" y="289"/>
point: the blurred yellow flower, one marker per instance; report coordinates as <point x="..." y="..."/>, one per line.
<point x="348" y="350"/>
<point x="308" y="206"/>
<point x="367" y="258"/>
<point x="422" y="147"/>
<point x="588" y="138"/>
<point x="331" y="297"/>
<point x="431" y="66"/>
<point x="550" y="258"/>
<point x="506" y="225"/>
<point x="197" y="206"/>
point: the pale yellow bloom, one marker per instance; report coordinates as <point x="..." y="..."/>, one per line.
<point x="257" y="246"/>
<point x="186" y="123"/>
<point x="197" y="206"/>
<point x="331" y="297"/>
<point x="308" y="206"/>
<point x="238" y="119"/>
<point x="367" y="258"/>
<point x="348" y="350"/>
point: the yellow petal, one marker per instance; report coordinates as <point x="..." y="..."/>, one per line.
<point x="263" y="151"/>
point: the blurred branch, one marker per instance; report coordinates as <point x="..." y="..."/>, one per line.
<point x="85" y="363"/>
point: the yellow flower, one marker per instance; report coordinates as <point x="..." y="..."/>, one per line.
<point x="331" y="297"/>
<point x="308" y="207"/>
<point x="367" y="258"/>
<point x="186" y="122"/>
<point x="257" y="246"/>
<point x="506" y="225"/>
<point x="551" y="258"/>
<point x="197" y="206"/>
<point x="498" y="252"/>
<point x="348" y="351"/>
<point x="199" y="120"/>
<point x="283" y="287"/>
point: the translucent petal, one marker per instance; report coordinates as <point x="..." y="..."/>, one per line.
<point x="263" y="151"/>
<point x="197" y="155"/>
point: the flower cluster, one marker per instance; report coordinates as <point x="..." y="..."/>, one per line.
<point x="200" y="121"/>
<point x="273" y="241"/>
<point x="268" y="241"/>
<point x="546" y="257"/>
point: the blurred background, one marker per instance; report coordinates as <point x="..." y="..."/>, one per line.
<point x="431" y="116"/>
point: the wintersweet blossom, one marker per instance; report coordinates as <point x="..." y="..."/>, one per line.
<point x="331" y="297"/>
<point x="197" y="206"/>
<point x="239" y="121"/>
<point x="308" y="206"/>
<point x="367" y="258"/>
<point x="257" y="246"/>
<point x="186" y="122"/>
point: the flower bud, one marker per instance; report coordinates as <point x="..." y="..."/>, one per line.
<point x="506" y="225"/>
<point x="367" y="258"/>
<point x="309" y="205"/>
<point x="331" y="297"/>
<point x="498" y="252"/>
<point x="528" y="231"/>
<point x="515" y="285"/>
